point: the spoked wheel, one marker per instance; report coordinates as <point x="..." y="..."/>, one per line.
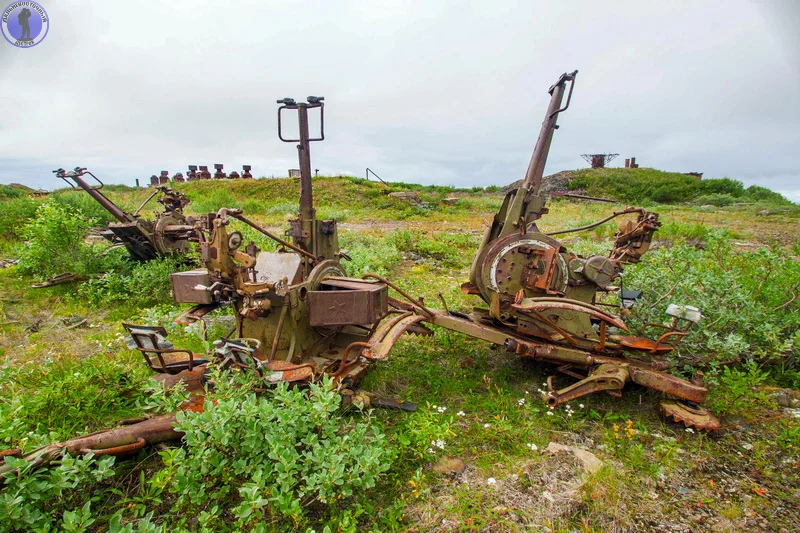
<point x="691" y="414"/>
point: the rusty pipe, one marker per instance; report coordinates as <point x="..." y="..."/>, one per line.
<point x="238" y="216"/>
<point x="120" y="440"/>
<point x="615" y="214"/>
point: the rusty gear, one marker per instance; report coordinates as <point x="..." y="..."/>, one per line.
<point x="692" y="415"/>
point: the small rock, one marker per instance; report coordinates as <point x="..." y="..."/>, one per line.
<point x="781" y="398"/>
<point x="590" y="461"/>
<point x="450" y="466"/>
<point x="747" y="446"/>
<point x="682" y="490"/>
<point x="764" y="212"/>
<point x="450" y="201"/>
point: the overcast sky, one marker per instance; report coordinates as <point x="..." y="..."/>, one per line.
<point x="429" y="91"/>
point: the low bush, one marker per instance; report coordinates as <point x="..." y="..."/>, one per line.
<point x="143" y="284"/>
<point x="716" y="199"/>
<point x="17" y="212"/>
<point x="37" y="500"/>
<point x="250" y="459"/>
<point x="749" y="300"/>
<point x="55" y="243"/>
<point x="64" y="396"/>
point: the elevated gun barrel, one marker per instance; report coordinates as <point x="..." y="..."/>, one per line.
<point x="94" y="192"/>
<point x="533" y="176"/>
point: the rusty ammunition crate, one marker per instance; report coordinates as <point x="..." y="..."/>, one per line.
<point x="348" y="301"/>
<point x="185" y="286"/>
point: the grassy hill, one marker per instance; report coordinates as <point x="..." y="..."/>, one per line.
<point x="640" y="184"/>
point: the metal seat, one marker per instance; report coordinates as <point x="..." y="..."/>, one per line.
<point x="159" y="353"/>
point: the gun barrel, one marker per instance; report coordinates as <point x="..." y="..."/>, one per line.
<point x="101" y="199"/>
<point x="533" y="176"/>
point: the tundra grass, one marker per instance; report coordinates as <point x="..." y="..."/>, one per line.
<point x="475" y="401"/>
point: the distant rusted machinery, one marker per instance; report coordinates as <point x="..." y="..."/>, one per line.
<point x="168" y="235"/>
<point x="200" y="173"/>
<point x="599" y="160"/>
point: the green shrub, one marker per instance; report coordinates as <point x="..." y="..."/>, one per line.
<point x="9" y="192"/>
<point x="272" y="458"/>
<point x="16" y="213"/>
<point x="55" y="242"/>
<point x="762" y="194"/>
<point x="368" y="254"/>
<point x="746" y="297"/>
<point x="721" y="186"/>
<point x="717" y="199"/>
<point x="59" y="398"/>
<point x="143" y="284"/>
<point x="638" y="185"/>
<point x="36" y="500"/>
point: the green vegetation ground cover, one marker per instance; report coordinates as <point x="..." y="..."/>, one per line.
<point x="476" y="403"/>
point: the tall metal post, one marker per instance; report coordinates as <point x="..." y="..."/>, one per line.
<point x="305" y="231"/>
<point x="304" y="155"/>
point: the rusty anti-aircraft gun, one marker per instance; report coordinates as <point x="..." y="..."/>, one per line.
<point x="169" y="234"/>
<point x="544" y="303"/>
<point x="298" y="318"/>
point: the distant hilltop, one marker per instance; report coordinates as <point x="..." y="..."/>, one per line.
<point x="637" y="185"/>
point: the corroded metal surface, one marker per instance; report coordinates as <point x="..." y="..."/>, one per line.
<point x="168" y="235"/>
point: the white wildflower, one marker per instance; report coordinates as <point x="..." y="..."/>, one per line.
<point x="461" y="413"/>
<point x="532" y="446"/>
<point x="485" y="426"/>
<point x="521" y="402"/>
<point x="689" y="430"/>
